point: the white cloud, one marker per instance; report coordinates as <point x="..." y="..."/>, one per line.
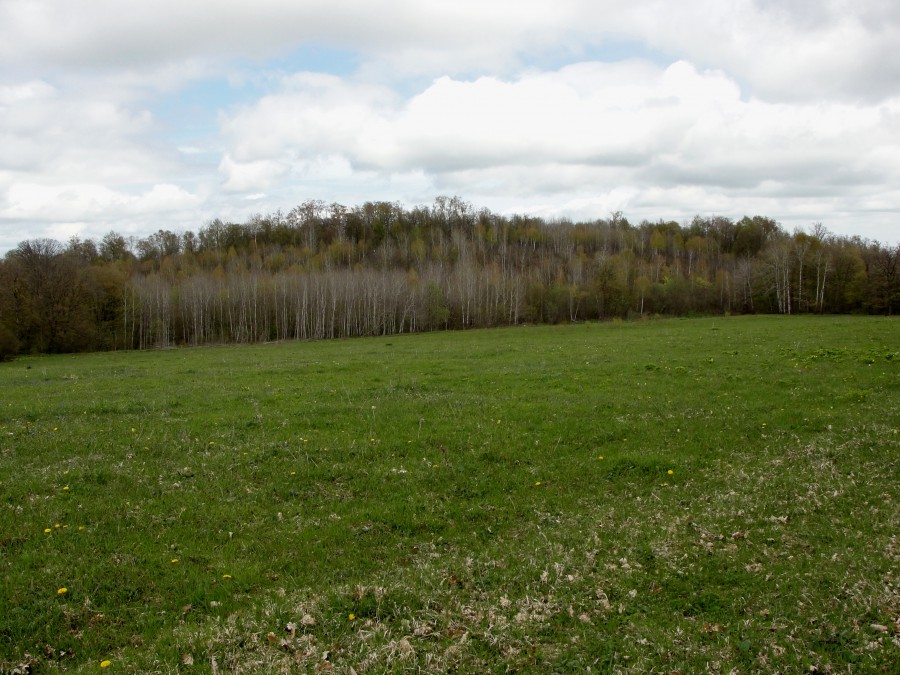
<point x="89" y="200"/>
<point x="25" y="91"/>
<point x="630" y="134"/>
<point x="252" y="175"/>
<point x="627" y="117"/>
<point x="406" y="33"/>
<point x="778" y="49"/>
<point x="783" y="107"/>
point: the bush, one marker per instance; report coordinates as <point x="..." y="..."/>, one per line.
<point x="9" y="345"/>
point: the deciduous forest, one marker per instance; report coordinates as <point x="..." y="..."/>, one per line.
<point x="328" y="271"/>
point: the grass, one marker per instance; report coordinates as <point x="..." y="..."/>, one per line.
<point x="682" y="495"/>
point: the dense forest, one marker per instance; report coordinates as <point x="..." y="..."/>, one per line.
<point x="327" y="271"/>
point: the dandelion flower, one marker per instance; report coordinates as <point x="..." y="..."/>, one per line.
<point x="599" y="456"/>
<point x="105" y="664"/>
<point x="293" y="473"/>
<point x="66" y="488"/>
<point x="352" y="617"/>
<point x="62" y="591"/>
<point x="174" y="560"/>
<point x="57" y="526"/>
<point x="133" y="429"/>
<point x="47" y="530"/>
<point x="226" y="576"/>
<point x="537" y="483"/>
<point x="670" y="472"/>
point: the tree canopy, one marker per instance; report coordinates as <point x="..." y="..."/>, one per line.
<point x="327" y="270"/>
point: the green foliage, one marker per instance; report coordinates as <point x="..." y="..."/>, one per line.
<point x="437" y="312"/>
<point x="9" y="345"/>
<point x="328" y="271"/>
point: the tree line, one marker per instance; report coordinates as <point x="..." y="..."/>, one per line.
<point x="328" y="271"/>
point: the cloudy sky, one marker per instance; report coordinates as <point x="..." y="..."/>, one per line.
<point x="166" y="114"/>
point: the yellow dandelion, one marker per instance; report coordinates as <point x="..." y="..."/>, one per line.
<point x="352" y="617"/>
<point x="226" y="576"/>
<point x="670" y="472"/>
<point x="212" y="442"/>
<point x="65" y="488"/>
<point x="133" y="430"/>
<point x="57" y="526"/>
<point x="62" y="591"/>
<point x="174" y="560"/>
<point x="55" y="428"/>
<point x="293" y="473"/>
<point x="47" y="530"/>
<point x="105" y="664"/>
<point x="538" y="483"/>
<point x="599" y="456"/>
<point x="81" y="528"/>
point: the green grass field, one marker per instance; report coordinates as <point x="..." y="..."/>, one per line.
<point x="675" y="495"/>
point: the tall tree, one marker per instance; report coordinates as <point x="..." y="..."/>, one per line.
<point x="48" y="286"/>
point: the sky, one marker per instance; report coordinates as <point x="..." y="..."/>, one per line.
<point x="139" y="116"/>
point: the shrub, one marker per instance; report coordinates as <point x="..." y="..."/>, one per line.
<point x="9" y="344"/>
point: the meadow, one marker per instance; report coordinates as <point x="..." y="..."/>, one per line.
<point x="685" y="495"/>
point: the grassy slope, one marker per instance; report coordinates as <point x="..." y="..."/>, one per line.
<point x="228" y="509"/>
